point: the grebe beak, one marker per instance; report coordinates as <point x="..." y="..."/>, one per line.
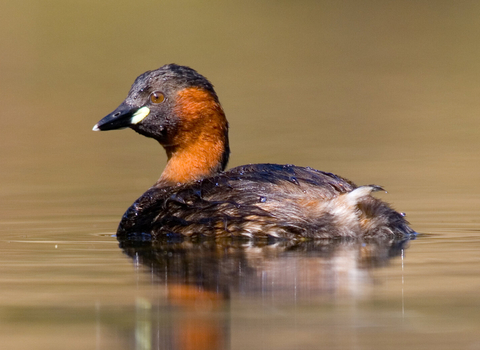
<point x="123" y="117"/>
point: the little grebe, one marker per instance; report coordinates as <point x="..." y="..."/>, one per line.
<point x="194" y="196"/>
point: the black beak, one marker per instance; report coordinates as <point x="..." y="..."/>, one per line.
<point x="118" y="119"/>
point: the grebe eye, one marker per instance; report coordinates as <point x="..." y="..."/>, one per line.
<point x="157" y="97"/>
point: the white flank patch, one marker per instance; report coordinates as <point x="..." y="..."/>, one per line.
<point x="344" y="207"/>
<point x="139" y="115"/>
<point x="362" y="191"/>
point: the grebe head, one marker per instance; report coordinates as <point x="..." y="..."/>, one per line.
<point x="179" y="108"/>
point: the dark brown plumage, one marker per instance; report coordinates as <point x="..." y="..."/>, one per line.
<point x="194" y="197"/>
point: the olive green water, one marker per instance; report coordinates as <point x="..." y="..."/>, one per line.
<point x="380" y="92"/>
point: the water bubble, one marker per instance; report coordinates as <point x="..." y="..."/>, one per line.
<point x="294" y="180"/>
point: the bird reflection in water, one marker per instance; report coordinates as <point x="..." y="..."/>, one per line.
<point x="202" y="278"/>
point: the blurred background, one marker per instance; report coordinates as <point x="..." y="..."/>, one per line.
<point x="381" y="92"/>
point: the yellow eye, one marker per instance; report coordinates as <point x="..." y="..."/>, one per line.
<point x="157" y="97"/>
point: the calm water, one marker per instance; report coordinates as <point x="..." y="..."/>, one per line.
<point x="379" y="92"/>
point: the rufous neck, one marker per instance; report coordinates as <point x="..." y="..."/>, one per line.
<point x="199" y="147"/>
